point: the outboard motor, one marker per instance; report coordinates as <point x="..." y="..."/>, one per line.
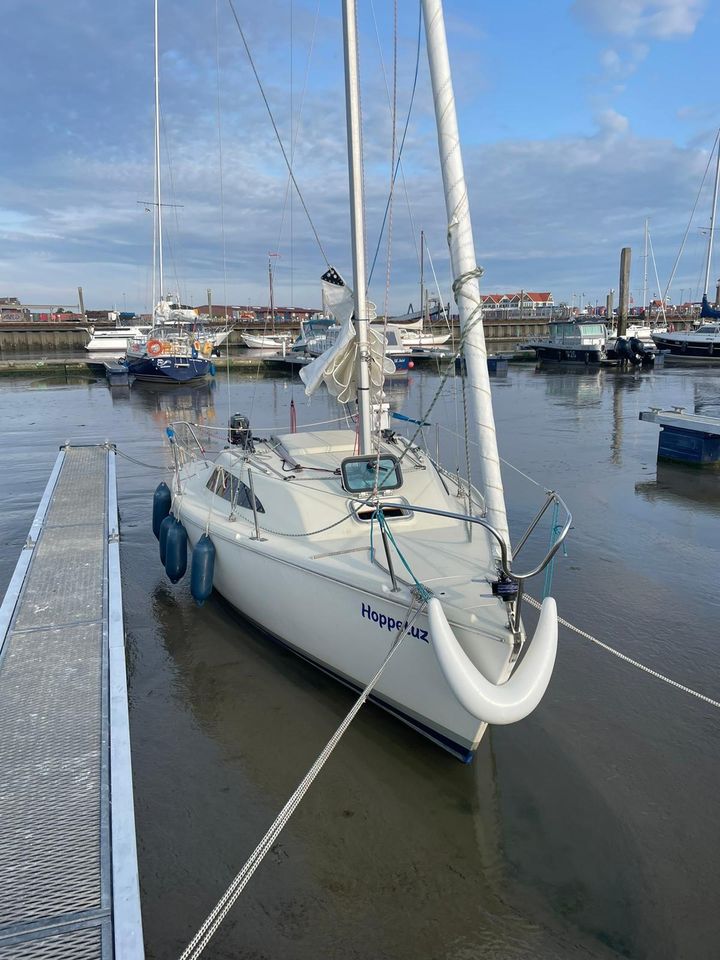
<point x="646" y="355"/>
<point x="625" y="351"/>
<point x="239" y="432"/>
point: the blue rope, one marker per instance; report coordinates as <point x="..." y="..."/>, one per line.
<point x="555" y="530"/>
<point x="422" y="590"/>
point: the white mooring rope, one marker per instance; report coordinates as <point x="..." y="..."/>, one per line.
<point x="622" y="656"/>
<point x="224" y="904"/>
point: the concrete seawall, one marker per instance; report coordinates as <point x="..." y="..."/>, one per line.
<point x="34" y="338"/>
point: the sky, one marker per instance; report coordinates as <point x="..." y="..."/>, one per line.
<point x="579" y="119"/>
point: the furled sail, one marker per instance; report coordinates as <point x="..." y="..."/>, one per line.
<point x="707" y="312"/>
<point x="337" y="366"/>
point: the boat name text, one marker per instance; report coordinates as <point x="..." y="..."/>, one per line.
<point x="391" y="624"/>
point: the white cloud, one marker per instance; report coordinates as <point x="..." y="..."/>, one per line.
<point x="661" y="19"/>
<point x="612" y="123"/>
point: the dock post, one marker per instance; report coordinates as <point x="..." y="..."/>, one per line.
<point x="625" y="257"/>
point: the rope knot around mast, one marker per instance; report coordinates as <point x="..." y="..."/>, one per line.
<point x="459" y="282"/>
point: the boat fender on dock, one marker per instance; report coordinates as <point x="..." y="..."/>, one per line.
<point x="162" y="501"/>
<point x="176" y="552"/>
<point x="202" y="568"/>
<point x="168" y="521"/>
<point x="497" y="703"/>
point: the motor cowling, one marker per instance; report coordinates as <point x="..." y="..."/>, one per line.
<point x="239" y="432"/>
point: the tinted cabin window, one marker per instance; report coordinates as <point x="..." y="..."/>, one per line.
<point x="359" y="474"/>
<point x="230" y="488"/>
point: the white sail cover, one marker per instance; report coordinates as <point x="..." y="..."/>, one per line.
<point x="337" y="366"/>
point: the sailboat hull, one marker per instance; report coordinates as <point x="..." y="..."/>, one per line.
<point x="346" y="632"/>
<point x="168" y="369"/>
<point x="689" y="344"/>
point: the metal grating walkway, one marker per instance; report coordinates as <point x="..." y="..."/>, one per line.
<point x="65" y="892"/>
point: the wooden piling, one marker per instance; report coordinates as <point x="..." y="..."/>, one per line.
<point x="625" y="257"/>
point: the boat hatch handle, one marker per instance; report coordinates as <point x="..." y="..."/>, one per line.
<point x="504" y="558"/>
<point x="504" y="702"/>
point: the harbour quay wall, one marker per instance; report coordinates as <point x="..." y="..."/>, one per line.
<point x="65" y="339"/>
<point x="34" y="338"/>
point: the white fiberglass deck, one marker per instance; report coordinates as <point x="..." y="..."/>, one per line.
<point x="68" y="861"/>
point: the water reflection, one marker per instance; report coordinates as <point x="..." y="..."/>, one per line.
<point x="675" y="482"/>
<point x="167" y="402"/>
<point x="570" y="387"/>
<point x="707" y="398"/>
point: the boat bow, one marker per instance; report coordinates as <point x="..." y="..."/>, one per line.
<point x="497" y="703"/>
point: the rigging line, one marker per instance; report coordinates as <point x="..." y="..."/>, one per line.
<point x="222" y="204"/>
<point x="692" y="214"/>
<point x="176" y="243"/>
<point x="474" y="318"/>
<point x="388" y="265"/>
<point x="402" y="141"/>
<point x="440" y="297"/>
<point x="216" y="916"/>
<point x="622" y="656"/>
<point x="657" y="279"/>
<point x="296" y="135"/>
<point x="292" y="155"/>
<point x="277" y="134"/>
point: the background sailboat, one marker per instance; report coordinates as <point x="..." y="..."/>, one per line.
<point x="176" y="349"/>
<point x="705" y="341"/>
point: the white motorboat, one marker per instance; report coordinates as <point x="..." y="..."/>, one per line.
<point x="374" y="545"/>
<point x="701" y="342"/>
<point x="273" y="341"/>
<point x="114" y="340"/>
<point x="571" y="341"/>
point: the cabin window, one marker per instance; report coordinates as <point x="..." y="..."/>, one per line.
<point x="359" y="473"/>
<point x="232" y="489"/>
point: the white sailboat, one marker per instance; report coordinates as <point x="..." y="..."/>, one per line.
<point x="367" y="548"/>
<point x="267" y="341"/>
<point x="705" y="340"/>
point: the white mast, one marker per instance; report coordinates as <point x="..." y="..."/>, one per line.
<point x="158" y="196"/>
<point x="464" y="265"/>
<point x="712" y="222"/>
<point x="645" y="283"/>
<point x="357" y="217"/>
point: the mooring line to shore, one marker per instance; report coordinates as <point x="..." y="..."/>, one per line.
<point x="623" y="656"/>
<point x="221" y="908"/>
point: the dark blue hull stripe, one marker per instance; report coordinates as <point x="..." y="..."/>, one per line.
<point x="167" y="369"/>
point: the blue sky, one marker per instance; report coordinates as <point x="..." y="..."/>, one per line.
<point x="579" y="119"/>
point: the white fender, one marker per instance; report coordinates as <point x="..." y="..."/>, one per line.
<point x="497" y="703"/>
